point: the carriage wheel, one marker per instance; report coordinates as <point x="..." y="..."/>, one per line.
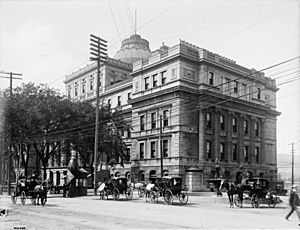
<point x="183" y="197"/>
<point x="141" y="191"/>
<point x="272" y="201"/>
<point x="23" y="197"/>
<point x="255" y="200"/>
<point x="43" y="199"/>
<point x="129" y="193"/>
<point x="116" y="194"/>
<point x="154" y="196"/>
<point x="168" y="196"/>
<point x="237" y="201"/>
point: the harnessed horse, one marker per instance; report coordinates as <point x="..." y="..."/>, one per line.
<point x="232" y="189"/>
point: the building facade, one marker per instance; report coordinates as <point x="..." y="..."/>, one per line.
<point x="203" y="113"/>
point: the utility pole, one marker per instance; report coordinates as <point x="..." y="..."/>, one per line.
<point x="98" y="51"/>
<point x="292" y="163"/>
<point x="161" y="147"/>
<point x="11" y="77"/>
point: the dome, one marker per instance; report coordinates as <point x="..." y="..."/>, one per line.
<point x="133" y="49"/>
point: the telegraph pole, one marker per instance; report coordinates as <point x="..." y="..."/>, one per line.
<point x="11" y="77"/>
<point x="292" y="163"/>
<point x="161" y="147"/>
<point x="98" y="51"/>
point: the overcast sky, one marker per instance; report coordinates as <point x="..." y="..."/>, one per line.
<point x="45" y="40"/>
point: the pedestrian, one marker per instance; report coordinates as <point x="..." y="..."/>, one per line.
<point x="294" y="202"/>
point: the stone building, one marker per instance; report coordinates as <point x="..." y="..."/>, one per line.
<point x="202" y="112"/>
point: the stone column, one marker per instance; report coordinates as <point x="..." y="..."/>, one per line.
<point x="202" y="153"/>
<point x="252" y="138"/>
<point x="228" y="127"/>
<point x="216" y="128"/>
<point x="240" y="124"/>
<point x="262" y="158"/>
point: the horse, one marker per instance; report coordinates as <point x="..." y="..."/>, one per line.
<point x="232" y="189"/>
<point x="40" y="192"/>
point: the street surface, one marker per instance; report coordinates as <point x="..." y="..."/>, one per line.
<point x="91" y="213"/>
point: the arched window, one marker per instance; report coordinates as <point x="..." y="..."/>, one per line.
<point x="117" y="174"/>
<point x="152" y="173"/>
<point x="165" y="173"/>
<point x="142" y="175"/>
<point x="128" y="176"/>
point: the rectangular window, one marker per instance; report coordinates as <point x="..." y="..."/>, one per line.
<point x="245" y="127"/>
<point x="165" y="118"/>
<point x="211" y="78"/>
<point x="91" y="84"/>
<point x="127" y="154"/>
<point x="154" y="80"/>
<point x="76" y="91"/>
<point x="258" y="93"/>
<point x="69" y="93"/>
<point x="222" y="122"/>
<point x="208" y="121"/>
<point x="256" y="129"/>
<point x="227" y="82"/>
<point x="222" y="151"/>
<point x="256" y="153"/>
<point x="146" y="83"/>
<point x="153" y="120"/>
<point x="119" y="100"/>
<point x="128" y="133"/>
<point x="153" y="149"/>
<point x="163" y="77"/>
<point x="208" y="149"/>
<point x="142" y="122"/>
<point x="142" y="150"/>
<point x="83" y="88"/>
<point x="236" y="87"/>
<point x="109" y="102"/>
<point x="129" y="96"/>
<point x="165" y="148"/>
<point x="234" y="124"/>
<point x="234" y="152"/>
<point x="246" y="153"/>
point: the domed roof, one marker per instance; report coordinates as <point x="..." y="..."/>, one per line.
<point x="133" y="49"/>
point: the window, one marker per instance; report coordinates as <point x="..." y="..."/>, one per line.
<point x="234" y="124"/>
<point x="119" y="100"/>
<point x="244" y="89"/>
<point x="142" y="150"/>
<point x="128" y="133"/>
<point x="69" y="92"/>
<point x="165" y="148"/>
<point x="109" y="102"/>
<point x="211" y="78"/>
<point x="127" y="154"/>
<point x="153" y="149"/>
<point x="112" y="81"/>
<point x="208" y="121"/>
<point x="256" y="153"/>
<point x="234" y="152"/>
<point x="163" y="77"/>
<point x="146" y="83"/>
<point x="246" y="153"/>
<point x="129" y="96"/>
<point x="222" y="151"/>
<point x="256" y="129"/>
<point x="153" y="120"/>
<point x="83" y="87"/>
<point x="245" y="127"/>
<point x="166" y="118"/>
<point x="154" y="80"/>
<point x="91" y="83"/>
<point x="142" y="122"/>
<point x="236" y="87"/>
<point x="222" y="122"/>
<point x="208" y="149"/>
<point x="227" y="82"/>
<point x="76" y="91"/>
<point x="258" y="93"/>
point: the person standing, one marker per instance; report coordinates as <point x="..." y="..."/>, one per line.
<point x="293" y="202"/>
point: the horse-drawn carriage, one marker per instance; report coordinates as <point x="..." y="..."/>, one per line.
<point x="168" y="187"/>
<point x="257" y="190"/>
<point x="30" y="189"/>
<point x="114" y="187"/>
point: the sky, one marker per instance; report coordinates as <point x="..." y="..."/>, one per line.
<point x="46" y="40"/>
